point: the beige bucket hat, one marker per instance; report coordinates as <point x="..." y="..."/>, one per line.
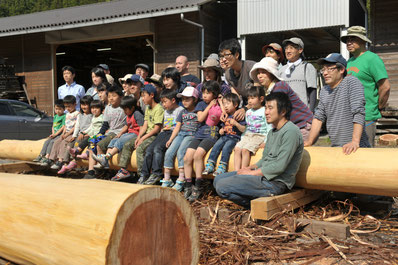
<point x="356" y="31"/>
<point x="211" y="63"/>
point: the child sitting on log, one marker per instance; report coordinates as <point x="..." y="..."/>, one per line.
<point x="134" y="120"/>
<point x="152" y="167"/>
<point x="114" y="121"/>
<point x="153" y="120"/>
<point x="181" y="138"/>
<point x="82" y="123"/>
<point x="90" y="135"/>
<point x="59" y="153"/>
<point x="209" y="113"/>
<point x="230" y="134"/>
<point x="257" y="128"/>
<point x="57" y="129"/>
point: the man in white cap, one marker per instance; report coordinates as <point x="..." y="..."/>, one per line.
<point x="299" y="74"/>
<point x="370" y="70"/>
<point x="341" y="106"/>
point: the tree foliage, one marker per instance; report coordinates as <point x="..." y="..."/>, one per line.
<point x="20" y="7"/>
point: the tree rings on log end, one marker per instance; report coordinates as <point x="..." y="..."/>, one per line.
<point x="155" y="226"/>
<point x="388" y="140"/>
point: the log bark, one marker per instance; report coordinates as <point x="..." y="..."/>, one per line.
<point x="368" y="171"/>
<point x="46" y="220"/>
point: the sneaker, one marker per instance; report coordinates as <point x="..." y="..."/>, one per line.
<point x="167" y="183"/>
<point x="102" y="160"/>
<point x="83" y="156"/>
<point x="222" y="168"/>
<point x="63" y="170"/>
<point x="45" y="162"/>
<point x="198" y="190"/>
<point x="153" y="179"/>
<point x="56" y="165"/>
<point x="187" y="189"/>
<point x="142" y="179"/>
<point x="209" y="168"/>
<point x="89" y="176"/>
<point x="121" y="174"/>
<point x="179" y="185"/>
<point x="71" y="165"/>
<point x="38" y="158"/>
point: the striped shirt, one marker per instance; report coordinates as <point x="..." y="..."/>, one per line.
<point x="341" y="107"/>
<point x="301" y="114"/>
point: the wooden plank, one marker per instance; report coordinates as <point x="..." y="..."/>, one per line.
<point x="336" y="230"/>
<point x="264" y="208"/>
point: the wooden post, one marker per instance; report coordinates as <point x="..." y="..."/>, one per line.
<point x="46" y="220"/>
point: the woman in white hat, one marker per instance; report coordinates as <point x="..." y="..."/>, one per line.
<point x="266" y="74"/>
<point x="212" y="71"/>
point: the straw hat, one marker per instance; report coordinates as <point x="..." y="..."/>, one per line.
<point x="268" y="64"/>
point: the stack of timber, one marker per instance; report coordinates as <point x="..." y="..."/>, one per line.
<point x="367" y="171"/>
<point x="46" y="220"/>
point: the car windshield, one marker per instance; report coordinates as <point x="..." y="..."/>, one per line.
<point x="24" y="110"/>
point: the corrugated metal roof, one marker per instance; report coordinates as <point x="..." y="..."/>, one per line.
<point x="261" y="16"/>
<point x="94" y="14"/>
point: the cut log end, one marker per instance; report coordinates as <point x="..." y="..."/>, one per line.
<point x="388" y="140"/>
<point x="158" y="230"/>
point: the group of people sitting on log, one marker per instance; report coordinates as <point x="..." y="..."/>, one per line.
<point x="240" y="106"/>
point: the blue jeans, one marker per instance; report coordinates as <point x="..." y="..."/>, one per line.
<point x="154" y="155"/>
<point x="178" y="147"/>
<point x="119" y="142"/>
<point x="241" y="189"/>
<point x="225" y="144"/>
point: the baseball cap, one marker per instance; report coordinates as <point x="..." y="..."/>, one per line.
<point x="294" y="40"/>
<point x="189" y="91"/>
<point x="333" y="58"/>
<point x="143" y="66"/>
<point x="134" y="78"/>
<point x="103" y="66"/>
<point x="275" y="47"/>
<point x="150" y="89"/>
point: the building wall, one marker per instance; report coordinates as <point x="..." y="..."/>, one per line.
<point x="174" y="37"/>
<point x="279" y="15"/>
<point x="32" y="59"/>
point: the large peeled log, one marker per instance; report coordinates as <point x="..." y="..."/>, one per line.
<point x="368" y="170"/>
<point x="46" y="220"/>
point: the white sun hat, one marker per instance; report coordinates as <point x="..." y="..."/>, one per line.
<point x="267" y="63"/>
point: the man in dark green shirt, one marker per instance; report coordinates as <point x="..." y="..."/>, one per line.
<point x="276" y="170"/>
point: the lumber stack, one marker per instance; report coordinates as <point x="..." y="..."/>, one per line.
<point x="367" y="171"/>
<point x="46" y="220"/>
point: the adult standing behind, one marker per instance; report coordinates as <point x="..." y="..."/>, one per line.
<point x="266" y="74"/>
<point x="98" y="77"/>
<point x="299" y="74"/>
<point x="276" y="171"/>
<point x="182" y="66"/>
<point x="70" y="87"/>
<point x="107" y="72"/>
<point x="237" y="75"/>
<point x="212" y="71"/>
<point x="275" y="51"/>
<point x="171" y="79"/>
<point x="142" y="70"/>
<point x="341" y="106"/>
<point x="370" y="70"/>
